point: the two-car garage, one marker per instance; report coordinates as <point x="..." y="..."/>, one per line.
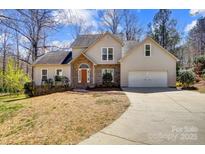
<point x="148" y="65"/>
<point x="147" y="79"/>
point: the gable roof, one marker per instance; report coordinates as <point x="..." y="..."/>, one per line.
<point x="54" y="57"/>
<point x="84" y="41"/>
<point x="117" y="38"/>
<point x="149" y="38"/>
<point x="86" y="56"/>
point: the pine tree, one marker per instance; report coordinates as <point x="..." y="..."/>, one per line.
<point x="163" y="30"/>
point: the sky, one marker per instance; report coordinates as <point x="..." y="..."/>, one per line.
<point x="186" y="19"/>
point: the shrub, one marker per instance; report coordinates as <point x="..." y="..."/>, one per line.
<point x="14" y="78"/>
<point x="57" y="78"/>
<point x="65" y="80"/>
<point x="107" y="78"/>
<point x="199" y="64"/>
<point x="50" y="82"/>
<point x="199" y="59"/>
<point x="29" y="88"/>
<point x="178" y="84"/>
<point x="186" y="77"/>
<point x="62" y="79"/>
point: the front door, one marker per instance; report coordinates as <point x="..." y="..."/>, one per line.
<point x="84" y="76"/>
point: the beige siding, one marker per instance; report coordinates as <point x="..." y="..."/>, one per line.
<point x="159" y="61"/>
<point x="51" y="71"/>
<point x="107" y="41"/>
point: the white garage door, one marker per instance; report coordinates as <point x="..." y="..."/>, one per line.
<point x="147" y="79"/>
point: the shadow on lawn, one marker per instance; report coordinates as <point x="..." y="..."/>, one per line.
<point x="11" y="98"/>
<point x="18" y="99"/>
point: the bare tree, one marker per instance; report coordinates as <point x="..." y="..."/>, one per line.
<point x="132" y="30"/>
<point x="31" y="24"/>
<point x="17" y="49"/>
<point x="80" y="27"/>
<point x="79" y="23"/>
<point x="5" y="46"/>
<point x="111" y="19"/>
<point x="196" y="38"/>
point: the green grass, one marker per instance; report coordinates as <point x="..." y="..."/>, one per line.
<point x="7" y="109"/>
<point x="10" y="98"/>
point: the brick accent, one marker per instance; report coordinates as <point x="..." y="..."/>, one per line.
<point x="74" y="69"/>
<point x="98" y="72"/>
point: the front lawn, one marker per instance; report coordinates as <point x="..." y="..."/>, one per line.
<point x="60" y="118"/>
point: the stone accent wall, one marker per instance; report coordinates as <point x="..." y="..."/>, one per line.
<point x="98" y="72"/>
<point x="74" y="69"/>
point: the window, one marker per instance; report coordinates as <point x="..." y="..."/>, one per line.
<point x="59" y="72"/>
<point x="83" y="66"/>
<point x="104" y="54"/>
<point x="110" y="53"/>
<point x="147" y="50"/>
<point x="108" y="71"/>
<point x="44" y="74"/>
<point x="107" y="53"/>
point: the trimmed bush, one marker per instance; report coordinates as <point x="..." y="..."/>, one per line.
<point x="63" y="80"/>
<point x="29" y="88"/>
<point x="33" y="90"/>
<point x="186" y="77"/>
<point x="107" y="78"/>
<point x="57" y="78"/>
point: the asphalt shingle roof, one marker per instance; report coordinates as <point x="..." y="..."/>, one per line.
<point x="54" y="57"/>
<point x="85" y="40"/>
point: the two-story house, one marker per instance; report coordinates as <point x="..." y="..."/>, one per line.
<point x="131" y="63"/>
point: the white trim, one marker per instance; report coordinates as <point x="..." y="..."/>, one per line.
<point x="86" y="56"/>
<point x="93" y="74"/>
<point x="107" y="53"/>
<point x="79" y="75"/>
<point x="88" y="70"/>
<point x="145" y="49"/>
<point x="113" y="78"/>
<point x="58" y="69"/>
<point x="84" y="64"/>
<point x="88" y="75"/>
<point x="42" y="74"/>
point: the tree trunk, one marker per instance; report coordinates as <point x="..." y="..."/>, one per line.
<point x="17" y="50"/>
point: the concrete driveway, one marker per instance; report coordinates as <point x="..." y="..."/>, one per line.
<point x="157" y="116"/>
